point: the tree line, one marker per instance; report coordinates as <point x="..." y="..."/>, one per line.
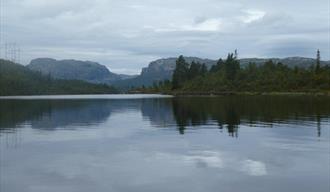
<point x="229" y="76"/>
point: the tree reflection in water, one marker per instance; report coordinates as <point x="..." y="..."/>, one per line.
<point x="231" y="111"/>
<point x="227" y="112"/>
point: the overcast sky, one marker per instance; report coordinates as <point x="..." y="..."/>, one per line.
<point x="125" y="35"/>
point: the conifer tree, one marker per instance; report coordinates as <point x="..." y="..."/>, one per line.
<point x="180" y="74"/>
<point x="232" y="67"/>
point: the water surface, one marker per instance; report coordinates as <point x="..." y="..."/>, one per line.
<point x="156" y="143"/>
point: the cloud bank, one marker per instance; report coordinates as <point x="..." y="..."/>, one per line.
<point x="127" y="35"/>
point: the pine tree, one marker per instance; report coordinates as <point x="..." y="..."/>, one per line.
<point x="219" y="66"/>
<point x="180" y="74"/>
<point x="193" y="70"/>
<point x="232" y="67"/>
<point x="235" y="54"/>
<point x="203" y="70"/>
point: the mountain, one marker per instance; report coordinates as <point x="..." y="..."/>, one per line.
<point x="17" y="79"/>
<point x="158" y="70"/>
<point x="124" y="76"/>
<point x="162" y="69"/>
<point x="289" y="61"/>
<point x="73" y="69"/>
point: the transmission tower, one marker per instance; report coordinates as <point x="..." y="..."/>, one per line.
<point x="8" y="50"/>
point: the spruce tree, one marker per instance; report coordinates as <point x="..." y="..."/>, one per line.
<point x="180" y="74"/>
<point x="236" y="54"/>
<point x="232" y="67"/>
<point x="203" y="70"/>
<point x="219" y="66"/>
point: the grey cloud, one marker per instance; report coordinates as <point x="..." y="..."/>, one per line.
<point x="127" y="35"/>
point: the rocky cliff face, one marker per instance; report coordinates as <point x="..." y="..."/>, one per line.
<point x="73" y="69"/>
<point x="159" y="70"/>
<point x="163" y="68"/>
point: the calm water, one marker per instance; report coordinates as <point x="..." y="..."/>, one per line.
<point x="150" y="143"/>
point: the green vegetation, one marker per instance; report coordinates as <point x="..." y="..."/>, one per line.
<point x="16" y="79"/>
<point x="184" y="72"/>
<point x="229" y="77"/>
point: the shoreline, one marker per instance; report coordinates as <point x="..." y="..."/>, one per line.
<point x="183" y="93"/>
<point x="179" y="93"/>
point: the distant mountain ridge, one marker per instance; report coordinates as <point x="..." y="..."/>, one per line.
<point x="73" y="69"/>
<point x="158" y="70"/>
<point x="303" y="62"/>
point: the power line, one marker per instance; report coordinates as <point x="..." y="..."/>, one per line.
<point x="1" y="12"/>
<point x="8" y="50"/>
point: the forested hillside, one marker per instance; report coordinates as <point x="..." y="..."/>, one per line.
<point x="163" y="69"/>
<point x="16" y="79"/>
<point x="228" y="76"/>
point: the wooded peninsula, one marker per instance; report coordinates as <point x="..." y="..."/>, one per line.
<point x="228" y="77"/>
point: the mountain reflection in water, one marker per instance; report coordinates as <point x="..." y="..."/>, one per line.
<point x="184" y="113"/>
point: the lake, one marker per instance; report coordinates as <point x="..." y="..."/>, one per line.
<point x="145" y="143"/>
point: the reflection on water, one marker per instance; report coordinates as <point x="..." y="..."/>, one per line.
<point x="227" y="112"/>
<point x="53" y="114"/>
<point x="236" y="143"/>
